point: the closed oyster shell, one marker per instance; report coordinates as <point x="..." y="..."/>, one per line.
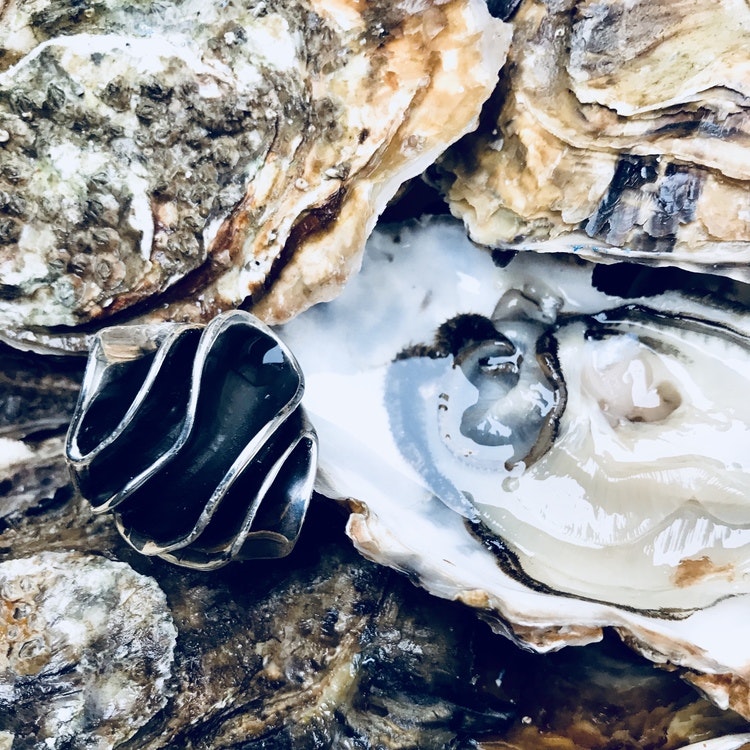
<point x="207" y="150"/>
<point x="620" y="130"/>
<point x="91" y="640"/>
<point x="560" y="454"/>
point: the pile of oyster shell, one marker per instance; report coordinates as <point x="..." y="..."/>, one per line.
<point x="559" y="439"/>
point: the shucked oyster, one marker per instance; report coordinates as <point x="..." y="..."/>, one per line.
<point x="206" y="149"/>
<point x="620" y="130"/>
<point x="543" y="446"/>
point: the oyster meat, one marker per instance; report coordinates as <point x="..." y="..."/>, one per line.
<point x="544" y="444"/>
<point x="620" y="129"/>
<point x="188" y="157"/>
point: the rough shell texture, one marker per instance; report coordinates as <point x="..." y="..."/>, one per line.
<point x="207" y="149"/>
<point x="88" y="638"/>
<point x="620" y="130"/>
<point x="386" y="394"/>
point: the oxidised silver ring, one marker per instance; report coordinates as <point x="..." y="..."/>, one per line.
<point x="195" y="438"/>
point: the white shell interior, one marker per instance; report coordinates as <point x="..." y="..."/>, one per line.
<point x="657" y="549"/>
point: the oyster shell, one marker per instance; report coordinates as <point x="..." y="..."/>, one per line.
<point x="91" y="640"/>
<point x="560" y="456"/>
<point x="260" y="659"/>
<point x="206" y="150"/>
<point x="620" y="130"/>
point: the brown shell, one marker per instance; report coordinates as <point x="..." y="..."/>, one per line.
<point x="620" y="131"/>
<point x="185" y="161"/>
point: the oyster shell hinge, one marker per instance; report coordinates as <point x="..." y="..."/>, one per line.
<point x="195" y="438"/>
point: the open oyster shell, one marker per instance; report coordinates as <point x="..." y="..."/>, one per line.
<point x="620" y="130"/>
<point x="185" y="157"/>
<point x="544" y="445"/>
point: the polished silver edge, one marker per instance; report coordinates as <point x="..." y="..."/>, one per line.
<point x="99" y="363"/>
<point x="170" y="552"/>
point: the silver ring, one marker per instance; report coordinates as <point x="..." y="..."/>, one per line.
<point x="194" y="437"/>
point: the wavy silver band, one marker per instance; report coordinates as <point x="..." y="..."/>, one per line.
<point x="196" y="439"/>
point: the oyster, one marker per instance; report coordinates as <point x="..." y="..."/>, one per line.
<point x="260" y="659"/>
<point x="187" y="158"/>
<point x="544" y="445"/>
<point x="620" y="130"/>
<point x="91" y="640"/>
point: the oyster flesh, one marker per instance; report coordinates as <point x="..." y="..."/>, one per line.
<point x="620" y="130"/>
<point x="191" y="157"/>
<point x="559" y="452"/>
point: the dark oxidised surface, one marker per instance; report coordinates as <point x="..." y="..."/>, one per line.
<point x="502" y="8"/>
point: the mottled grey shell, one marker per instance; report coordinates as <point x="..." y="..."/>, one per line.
<point x="172" y="160"/>
<point x="88" y="650"/>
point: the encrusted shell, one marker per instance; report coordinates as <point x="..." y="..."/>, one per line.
<point x="176" y="159"/>
<point x="620" y="131"/>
